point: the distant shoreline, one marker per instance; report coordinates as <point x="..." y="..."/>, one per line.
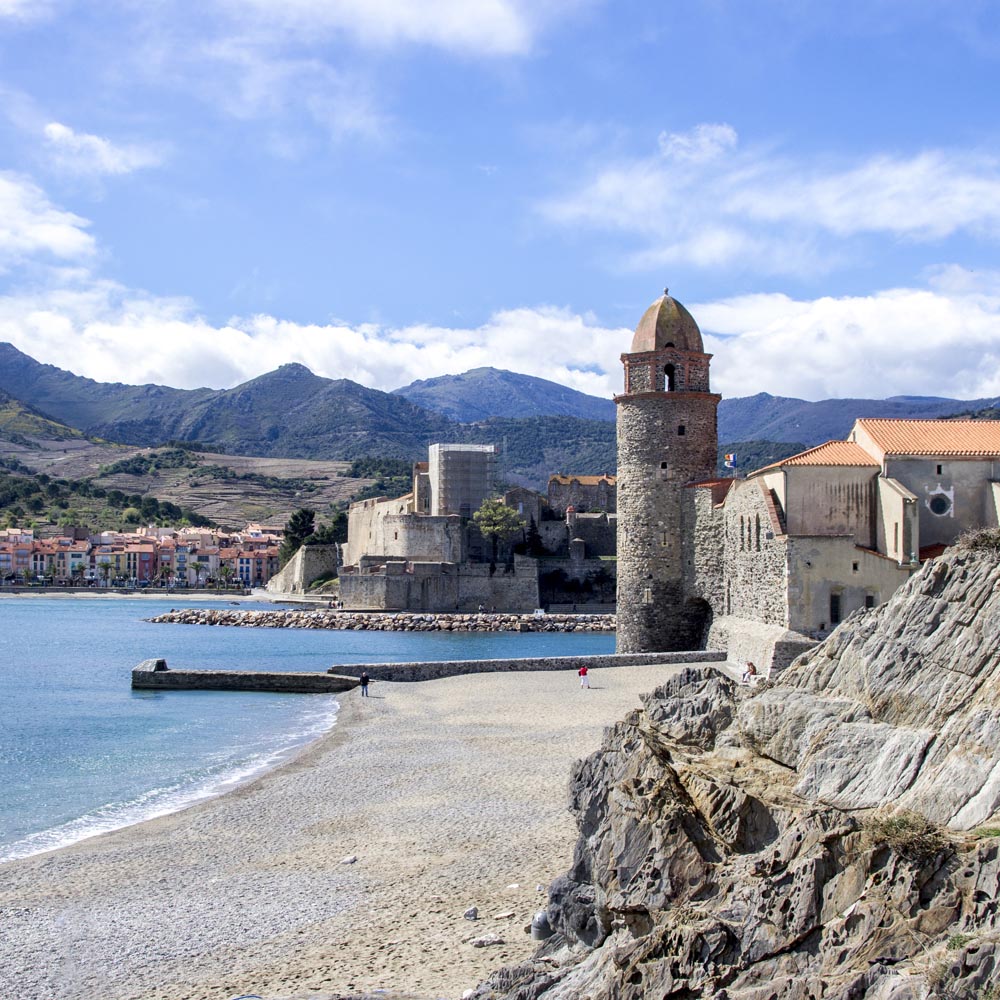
<point x="93" y="593"/>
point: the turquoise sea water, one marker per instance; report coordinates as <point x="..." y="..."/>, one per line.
<point x="81" y="753"/>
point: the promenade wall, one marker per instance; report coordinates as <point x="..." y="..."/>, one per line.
<point x="454" y="668"/>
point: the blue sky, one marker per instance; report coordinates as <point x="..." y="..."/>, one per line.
<point x="195" y="193"/>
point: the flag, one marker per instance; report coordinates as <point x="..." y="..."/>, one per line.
<point x="730" y="461"/>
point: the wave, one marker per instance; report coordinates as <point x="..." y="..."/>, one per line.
<point x="222" y="773"/>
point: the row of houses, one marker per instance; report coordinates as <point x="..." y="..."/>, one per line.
<point x="146" y="557"/>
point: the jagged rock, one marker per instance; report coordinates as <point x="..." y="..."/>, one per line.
<point x="750" y="844"/>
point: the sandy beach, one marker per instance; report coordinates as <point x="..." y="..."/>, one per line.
<point x="450" y="793"/>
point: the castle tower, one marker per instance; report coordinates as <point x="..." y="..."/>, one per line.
<point x="667" y="437"/>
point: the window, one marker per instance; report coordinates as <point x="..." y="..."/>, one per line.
<point x="834" y="609"/>
<point x="741" y="533"/>
<point x="680" y="431"/>
<point x="669" y="371"/>
<point x="940" y="469"/>
<point x="854" y="567"/>
<point x="895" y="536"/>
<point x="757" y="533"/>
<point x="647" y="595"/>
<point x="869" y="601"/>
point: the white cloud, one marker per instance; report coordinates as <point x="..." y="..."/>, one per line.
<point x="902" y="341"/>
<point x="916" y="341"/>
<point x="30" y="225"/>
<point x="78" y="152"/>
<point x="703" y="199"/>
<point x="25" y="10"/>
<point x="479" y="27"/>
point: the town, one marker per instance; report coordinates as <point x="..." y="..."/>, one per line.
<point x="144" y="558"/>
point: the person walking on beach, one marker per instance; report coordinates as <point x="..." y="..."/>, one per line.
<point x="364" y="683"/>
<point x="584" y="679"/>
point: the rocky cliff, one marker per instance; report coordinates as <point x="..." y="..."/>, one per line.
<point x="825" y="836"/>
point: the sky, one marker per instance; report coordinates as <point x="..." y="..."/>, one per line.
<point x="194" y="193"/>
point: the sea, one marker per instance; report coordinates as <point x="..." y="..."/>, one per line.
<point x="81" y="753"/>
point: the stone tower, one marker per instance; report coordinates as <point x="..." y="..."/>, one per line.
<point x="667" y="438"/>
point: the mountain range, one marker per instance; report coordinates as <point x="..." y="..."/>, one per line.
<point x="292" y="413"/>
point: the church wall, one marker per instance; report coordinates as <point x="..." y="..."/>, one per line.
<point x="960" y="492"/>
<point x="821" y="568"/>
<point x="704" y="533"/>
<point x="755" y="575"/>
<point x="897" y="528"/>
<point x="831" y="500"/>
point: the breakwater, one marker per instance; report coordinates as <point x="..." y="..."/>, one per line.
<point x="432" y="670"/>
<point x="155" y="674"/>
<point x="388" y="622"/>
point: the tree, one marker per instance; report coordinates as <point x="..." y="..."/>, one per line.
<point x="533" y="542"/>
<point x="498" y="522"/>
<point x="299" y="527"/>
<point x="225" y="574"/>
<point x="76" y="573"/>
<point x="104" y="568"/>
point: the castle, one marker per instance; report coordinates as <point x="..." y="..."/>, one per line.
<point x="765" y="566"/>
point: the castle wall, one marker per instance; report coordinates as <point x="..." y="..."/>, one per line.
<point x="434" y="586"/>
<point x="389" y="529"/>
<point x="308" y="564"/>
<point x="703" y="526"/>
<point x="586" y="497"/>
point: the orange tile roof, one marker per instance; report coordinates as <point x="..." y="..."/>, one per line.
<point x="831" y="453"/>
<point x="965" y="438"/>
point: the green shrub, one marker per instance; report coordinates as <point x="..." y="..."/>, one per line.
<point x="909" y="834"/>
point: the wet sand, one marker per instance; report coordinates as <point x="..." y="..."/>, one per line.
<point x="450" y="793"/>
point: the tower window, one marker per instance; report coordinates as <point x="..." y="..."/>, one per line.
<point x="680" y="430"/>
<point x="940" y="469"/>
<point x="663" y="465"/>
<point x="647" y="595"/>
<point x="669" y="370"/>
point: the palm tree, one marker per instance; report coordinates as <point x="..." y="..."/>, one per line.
<point x="104" y="568"/>
<point x="225" y="573"/>
<point x="76" y="573"/>
<point x="200" y="569"/>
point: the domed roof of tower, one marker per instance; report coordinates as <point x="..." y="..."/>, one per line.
<point x="666" y="323"/>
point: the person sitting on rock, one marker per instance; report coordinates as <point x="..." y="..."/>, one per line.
<point x="750" y="674"/>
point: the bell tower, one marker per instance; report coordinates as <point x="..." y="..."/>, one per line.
<point x="667" y="438"/>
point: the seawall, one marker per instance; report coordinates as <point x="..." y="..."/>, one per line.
<point x="155" y="674"/>
<point x="453" y="668"/>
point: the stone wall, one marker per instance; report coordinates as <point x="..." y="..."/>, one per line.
<point x="154" y="674"/>
<point x="452" y="668"/>
<point x="308" y="564"/>
<point x="414" y="586"/>
<point x="389" y="529"/>
<point x="770" y="647"/>
<point x="588" y="494"/>
<point x="665" y="441"/>
<point x="755" y="560"/>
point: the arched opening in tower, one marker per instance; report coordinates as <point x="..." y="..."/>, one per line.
<point x="668" y="370"/>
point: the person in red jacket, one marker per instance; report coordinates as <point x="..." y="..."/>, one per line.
<point x="584" y="679"/>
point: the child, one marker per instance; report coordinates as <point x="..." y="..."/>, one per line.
<point x="584" y="679"/>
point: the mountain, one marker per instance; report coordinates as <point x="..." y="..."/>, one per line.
<point x="289" y="412"/>
<point x="19" y="423"/>
<point x="486" y="393"/>
<point x="491" y="392"/>
<point x="780" y="418"/>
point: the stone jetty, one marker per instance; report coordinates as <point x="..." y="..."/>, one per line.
<point x="387" y="621"/>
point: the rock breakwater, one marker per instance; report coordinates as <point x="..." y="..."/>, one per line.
<point x="387" y="622"/>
